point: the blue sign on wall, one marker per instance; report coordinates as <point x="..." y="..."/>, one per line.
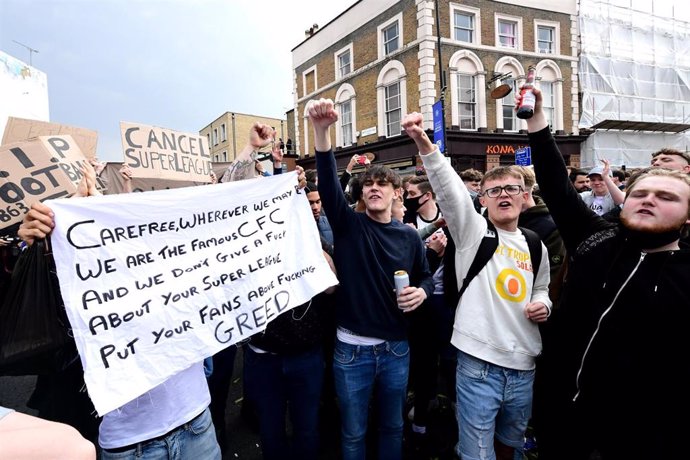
<point x="523" y="156"/>
<point x="439" y="127"/>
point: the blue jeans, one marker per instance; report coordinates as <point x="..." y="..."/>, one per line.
<point x="357" y="370"/>
<point x="195" y="439"/>
<point x="274" y="382"/>
<point x="493" y="402"/>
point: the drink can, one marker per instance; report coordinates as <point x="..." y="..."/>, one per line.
<point x="402" y="280"/>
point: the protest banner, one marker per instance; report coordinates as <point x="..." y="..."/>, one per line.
<point x="30" y="171"/>
<point x="22" y="129"/>
<point x="155" y="282"/>
<point x="161" y="153"/>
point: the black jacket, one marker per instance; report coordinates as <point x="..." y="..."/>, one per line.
<point x="619" y="340"/>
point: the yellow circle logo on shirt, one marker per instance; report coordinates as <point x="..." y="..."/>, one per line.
<point x="511" y="285"/>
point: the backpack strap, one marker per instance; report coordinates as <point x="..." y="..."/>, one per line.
<point x="486" y="251"/>
<point x="534" y="245"/>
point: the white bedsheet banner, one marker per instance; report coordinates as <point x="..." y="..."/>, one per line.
<point x="158" y="281"/>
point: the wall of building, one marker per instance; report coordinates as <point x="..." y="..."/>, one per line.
<point x="237" y="127"/>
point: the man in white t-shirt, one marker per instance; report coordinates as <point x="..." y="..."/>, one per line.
<point x="598" y="199"/>
<point x="495" y="329"/>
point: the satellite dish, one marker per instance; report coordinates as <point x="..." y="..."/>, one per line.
<point x="501" y="91"/>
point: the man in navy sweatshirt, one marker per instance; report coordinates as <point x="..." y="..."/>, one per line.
<point x="371" y="352"/>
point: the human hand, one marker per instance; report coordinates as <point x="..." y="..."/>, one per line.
<point x="126" y="172"/>
<point x="87" y="184"/>
<point x="38" y="223"/>
<point x="98" y="166"/>
<point x="301" y="177"/>
<point x="276" y="150"/>
<point x="260" y="135"/>
<point x="322" y="113"/>
<point x="410" y="298"/>
<point x="607" y="168"/>
<point x="413" y="124"/>
<point x="538" y="120"/>
<point x="536" y="312"/>
<point x="437" y="242"/>
<point x="214" y="178"/>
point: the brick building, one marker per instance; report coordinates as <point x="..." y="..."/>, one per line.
<point x="379" y="60"/>
<point x="227" y="135"/>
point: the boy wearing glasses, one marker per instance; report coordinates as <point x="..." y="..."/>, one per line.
<point x="495" y="328"/>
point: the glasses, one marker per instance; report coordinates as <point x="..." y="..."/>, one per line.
<point x="495" y="192"/>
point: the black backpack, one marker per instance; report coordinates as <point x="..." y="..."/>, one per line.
<point x="486" y="251"/>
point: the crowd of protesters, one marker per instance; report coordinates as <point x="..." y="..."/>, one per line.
<point x="549" y="300"/>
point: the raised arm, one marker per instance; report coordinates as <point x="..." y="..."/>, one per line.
<point x="260" y="136"/>
<point x="465" y="224"/>
<point x="322" y="115"/>
<point x="617" y="194"/>
<point x="574" y="219"/>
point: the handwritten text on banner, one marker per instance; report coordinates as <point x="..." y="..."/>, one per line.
<point x="156" y="282"/>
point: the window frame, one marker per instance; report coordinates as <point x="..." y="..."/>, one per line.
<point x="470" y="11"/>
<point x="556" y="27"/>
<point x="398" y="18"/>
<point x="498" y="18"/>
<point x="388" y="111"/>
<point x="473" y="102"/>
<point x="304" y="80"/>
<point x="336" y="61"/>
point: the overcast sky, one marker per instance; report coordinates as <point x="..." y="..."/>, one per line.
<point x="178" y="64"/>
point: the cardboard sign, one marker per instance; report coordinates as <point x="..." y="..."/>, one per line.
<point x="161" y="153"/>
<point x="22" y="129"/>
<point x="44" y="168"/>
<point x="155" y="282"/>
<point x="115" y="183"/>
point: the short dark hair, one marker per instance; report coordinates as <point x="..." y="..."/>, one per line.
<point x="684" y="155"/>
<point x="619" y="174"/>
<point x="355" y="189"/>
<point x="577" y="172"/>
<point x="471" y="175"/>
<point x="423" y="184"/>
<point x="381" y="172"/>
<point x="310" y="175"/>
<point x="310" y="187"/>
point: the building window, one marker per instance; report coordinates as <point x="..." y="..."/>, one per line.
<point x="464" y="27"/>
<point x="344" y="64"/>
<point x="225" y="156"/>
<point x="215" y="136"/>
<point x="508" y="102"/>
<point x="223" y="133"/>
<point x="346" y="105"/>
<point x="545" y="39"/>
<point x="309" y="80"/>
<point x="208" y="138"/>
<point x="346" y="123"/>
<point x="391" y="35"/>
<point x="548" y="101"/>
<point x="507" y="34"/>
<point x="391" y="98"/>
<point x="393" y="113"/>
<point x="547" y="36"/>
<point x="467" y="102"/>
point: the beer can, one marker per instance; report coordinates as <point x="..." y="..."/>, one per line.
<point x="402" y="280"/>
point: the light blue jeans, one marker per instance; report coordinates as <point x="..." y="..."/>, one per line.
<point x="358" y="371"/>
<point x="492" y="402"/>
<point x="195" y="439"/>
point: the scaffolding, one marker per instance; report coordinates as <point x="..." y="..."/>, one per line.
<point x="635" y="78"/>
